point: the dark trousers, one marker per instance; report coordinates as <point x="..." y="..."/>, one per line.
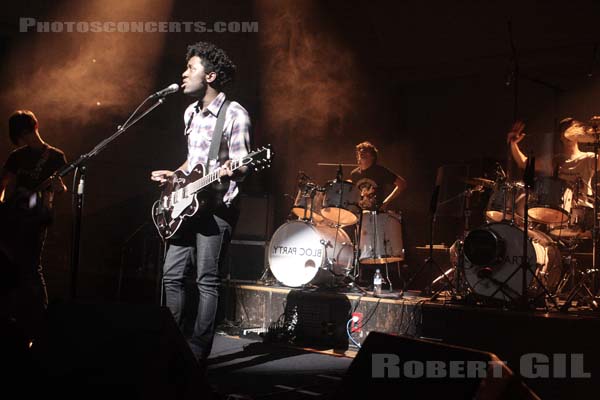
<point x="23" y="294"/>
<point x="201" y="246"/>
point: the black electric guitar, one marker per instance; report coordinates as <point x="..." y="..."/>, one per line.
<point x="180" y="197"/>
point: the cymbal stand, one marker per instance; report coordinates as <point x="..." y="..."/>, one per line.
<point x="355" y="264"/>
<point x="589" y="280"/>
<point x="522" y="299"/>
<point x="595" y="123"/>
<point x="583" y="284"/>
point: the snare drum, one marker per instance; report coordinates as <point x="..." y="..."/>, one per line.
<point x="301" y="253"/>
<point x="340" y="203"/>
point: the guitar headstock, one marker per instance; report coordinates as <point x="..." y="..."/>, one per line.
<point x="260" y="158"/>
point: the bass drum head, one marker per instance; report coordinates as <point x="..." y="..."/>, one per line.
<point x="492" y="253"/>
<point x="298" y="252"/>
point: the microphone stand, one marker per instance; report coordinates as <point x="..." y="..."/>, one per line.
<point x="79" y="186"/>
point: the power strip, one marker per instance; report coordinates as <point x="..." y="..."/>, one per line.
<point x="246" y="331"/>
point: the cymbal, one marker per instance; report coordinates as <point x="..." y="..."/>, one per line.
<point x="479" y="181"/>
<point x="583" y="135"/>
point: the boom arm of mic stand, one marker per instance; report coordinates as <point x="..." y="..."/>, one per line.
<point x="78" y="189"/>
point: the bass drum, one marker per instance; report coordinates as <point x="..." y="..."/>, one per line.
<point x="301" y="253"/>
<point x="494" y="252"/>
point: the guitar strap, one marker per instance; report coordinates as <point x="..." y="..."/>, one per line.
<point x="217" y="139"/>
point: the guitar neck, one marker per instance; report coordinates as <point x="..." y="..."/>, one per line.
<point x="211" y="177"/>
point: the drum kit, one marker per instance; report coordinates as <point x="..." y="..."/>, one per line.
<point x="550" y="213"/>
<point x="328" y="236"/>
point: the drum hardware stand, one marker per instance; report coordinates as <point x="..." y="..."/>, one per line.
<point x="595" y="125"/>
<point x="356" y="253"/>
<point x="590" y="276"/>
<point x="522" y="300"/>
<point x="457" y="290"/>
<point x="432" y="216"/>
<point x="356" y="261"/>
<point x="582" y="284"/>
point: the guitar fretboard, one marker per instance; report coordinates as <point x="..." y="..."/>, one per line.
<point x="209" y="178"/>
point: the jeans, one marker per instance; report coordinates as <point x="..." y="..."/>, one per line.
<point x="200" y="246"/>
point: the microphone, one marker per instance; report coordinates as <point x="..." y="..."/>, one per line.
<point x="172" y="88"/>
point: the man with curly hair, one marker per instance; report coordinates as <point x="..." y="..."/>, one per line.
<point x="202" y="240"/>
<point x="372" y="180"/>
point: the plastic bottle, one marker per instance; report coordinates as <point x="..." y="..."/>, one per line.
<point x="377" y="280"/>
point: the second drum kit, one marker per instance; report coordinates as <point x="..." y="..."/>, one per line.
<point x="558" y="222"/>
<point x="331" y="235"/>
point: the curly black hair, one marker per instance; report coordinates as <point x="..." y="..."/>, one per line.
<point x="213" y="59"/>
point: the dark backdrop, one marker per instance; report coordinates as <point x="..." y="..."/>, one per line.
<point x="431" y="84"/>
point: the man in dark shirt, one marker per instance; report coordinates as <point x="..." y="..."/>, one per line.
<point x="27" y="189"/>
<point x="373" y="180"/>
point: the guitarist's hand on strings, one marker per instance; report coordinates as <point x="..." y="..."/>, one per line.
<point x="237" y="175"/>
<point x="226" y="170"/>
<point x="161" y="175"/>
<point x="56" y="184"/>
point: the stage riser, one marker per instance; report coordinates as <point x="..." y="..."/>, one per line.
<point x="322" y="316"/>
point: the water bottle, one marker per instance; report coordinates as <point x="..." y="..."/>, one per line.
<point x="377" y="280"/>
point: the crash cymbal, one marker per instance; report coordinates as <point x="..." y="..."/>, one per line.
<point x="583" y="134"/>
<point x="479" y="181"/>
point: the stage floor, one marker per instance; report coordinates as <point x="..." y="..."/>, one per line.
<point x="318" y="319"/>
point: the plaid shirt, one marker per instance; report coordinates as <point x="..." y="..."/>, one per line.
<point x="199" y="127"/>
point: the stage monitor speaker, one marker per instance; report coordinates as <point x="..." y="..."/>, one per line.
<point x="409" y="368"/>
<point x="245" y="260"/>
<point x="115" y="351"/>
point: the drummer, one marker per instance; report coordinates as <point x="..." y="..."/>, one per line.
<point x="374" y="181"/>
<point x="572" y="165"/>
